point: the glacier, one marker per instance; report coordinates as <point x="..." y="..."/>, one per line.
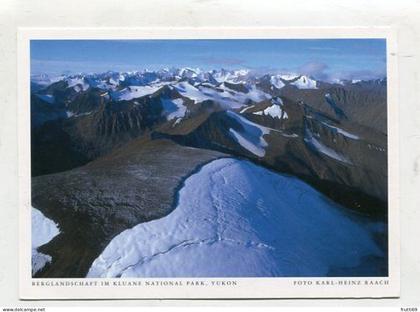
<point x="173" y="108"/>
<point x="321" y="148"/>
<point x="222" y="94"/>
<point x="236" y="219"/>
<point x="274" y="111"/>
<point x="133" y="92"/>
<point x="43" y="230"/>
<point x="341" y="131"/>
<point x="250" y="136"/>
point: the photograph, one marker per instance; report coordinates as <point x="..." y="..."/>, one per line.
<point x="209" y="158"/>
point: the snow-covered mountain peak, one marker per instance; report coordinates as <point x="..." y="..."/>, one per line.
<point x="288" y="76"/>
<point x="187" y="72"/>
<point x="305" y="82"/>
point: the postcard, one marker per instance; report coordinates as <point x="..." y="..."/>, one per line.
<point x="208" y="163"/>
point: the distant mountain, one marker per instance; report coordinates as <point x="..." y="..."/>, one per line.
<point x="230" y="87"/>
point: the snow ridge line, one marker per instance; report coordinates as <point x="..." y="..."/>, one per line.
<point x="216" y="203"/>
<point x="220" y="221"/>
<point x="181" y="184"/>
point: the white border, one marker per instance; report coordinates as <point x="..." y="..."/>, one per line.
<point x="246" y="287"/>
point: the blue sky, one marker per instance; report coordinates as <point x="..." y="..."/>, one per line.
<point x="322" y="58"/>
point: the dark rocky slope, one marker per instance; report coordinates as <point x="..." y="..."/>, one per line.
<point x="94" y="203"/>
<point x="98" y="126"/>
<point x="361" y="103"/>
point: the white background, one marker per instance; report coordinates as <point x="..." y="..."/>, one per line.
<point x="404" y="15"/>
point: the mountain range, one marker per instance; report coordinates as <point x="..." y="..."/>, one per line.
<point x="110" y="150"/>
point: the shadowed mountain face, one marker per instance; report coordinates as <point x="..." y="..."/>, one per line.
<point x="109" y="151"/>
<point x="94" y="126"/>
<point x="361" y="103"/>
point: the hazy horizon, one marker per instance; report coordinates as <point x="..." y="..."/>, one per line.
<point x="324" y="59"/>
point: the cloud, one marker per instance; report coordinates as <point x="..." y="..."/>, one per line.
<point x="316" y="70"/>
<point x="263" y="70"/>
<point x="358" y="74"/>
<point x="322" y="71"/>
